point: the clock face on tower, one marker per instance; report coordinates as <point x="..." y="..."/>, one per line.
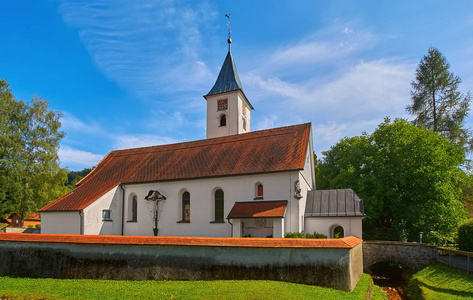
<point x="222" y="104"/>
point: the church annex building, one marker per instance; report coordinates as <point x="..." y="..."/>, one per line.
<point x="235" y="183"/>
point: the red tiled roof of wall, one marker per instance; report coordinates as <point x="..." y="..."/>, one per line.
<point x="258" y="209"/>
<point x="265" y="151"/>
<point x="348" y="242"/>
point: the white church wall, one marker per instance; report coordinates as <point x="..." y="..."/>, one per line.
<point x="67" y="222"/>
<point x="292" y="221"/>
<point x="236" y="188"/>
<point x="351" y="225"/>
<point x="244" y="115"/>
<point x="309" y="172"/>
<point x="278" y="228"/>
<point x="94" y="222"/>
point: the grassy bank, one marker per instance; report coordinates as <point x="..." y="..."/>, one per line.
<point x="28" y="288"/>
<point x="439" y="282"/>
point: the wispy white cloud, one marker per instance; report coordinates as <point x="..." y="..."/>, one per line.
<point x="78" y="158"/>
<point x="141" y="140"/>
<point x="310" y="56"/>
<point x="266" y="122"/>
<point x="375" y="86"/>
<point x="70" y="123"/>
<point x="148" y="47"/>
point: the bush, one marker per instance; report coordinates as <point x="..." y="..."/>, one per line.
<point x="38" y="226"/>
<point x="30" y="226"/>
<point x="465" y="236"/>
<point x="303" y="235"/>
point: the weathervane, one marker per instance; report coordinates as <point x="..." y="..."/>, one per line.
<point x="229" y="31"/>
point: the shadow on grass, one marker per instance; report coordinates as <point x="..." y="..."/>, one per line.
<point x="446" y="291"/>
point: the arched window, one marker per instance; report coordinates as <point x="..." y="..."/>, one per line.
<point x="338" y="232"/>
<point x="223" y="120"/>
<point x="219" y="205"/>
<point x="186" y="206"/>
<point x="134" y="208"/>
<point x="258" y="191"/>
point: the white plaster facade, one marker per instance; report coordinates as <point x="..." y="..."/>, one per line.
<point x="326" y="225"/>
<point x="61" y="222"/>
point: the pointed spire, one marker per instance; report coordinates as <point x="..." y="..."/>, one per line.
<point x="228" y="79"/>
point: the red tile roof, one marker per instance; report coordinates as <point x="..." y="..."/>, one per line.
<point x="265" y="151"/>
<point x="348" y="242"/>
<point x="258" y="209"/>
<point x="30" y="217"/>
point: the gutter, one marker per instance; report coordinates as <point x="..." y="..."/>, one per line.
<point x="81" y="218"/>
<point x="228" y="220"/>
<point x="123" y="207"/>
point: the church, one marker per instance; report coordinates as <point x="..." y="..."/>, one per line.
<point x="235" y="183"/>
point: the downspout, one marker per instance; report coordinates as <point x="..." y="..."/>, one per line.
<point x="228" y="220"/>
<point x="123" y="208"/>
<point x="81" y="220"/>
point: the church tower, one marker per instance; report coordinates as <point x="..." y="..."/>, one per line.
<point x="228" y="109"/>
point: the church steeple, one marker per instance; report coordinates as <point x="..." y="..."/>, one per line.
<point x="228" y="109"/>
<point x="228" y="79"/>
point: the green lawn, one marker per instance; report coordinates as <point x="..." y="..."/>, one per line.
<point x="439" y="282"/>
<point x="28" y="288"/>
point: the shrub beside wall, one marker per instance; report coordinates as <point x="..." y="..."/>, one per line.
<point x="465" y="236"/>
<point x="303" y="235"/>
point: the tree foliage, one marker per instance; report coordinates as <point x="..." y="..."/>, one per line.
<point x="30" y="176"/>
<point x="465" y="236"/>
<point x="407" y="176"/>
<point x="436" y="101"/>
<point x="75" y="176"/>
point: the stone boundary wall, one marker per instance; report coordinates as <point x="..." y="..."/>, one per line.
<point x="413" y="255"/>
<point x="335" y="263"/>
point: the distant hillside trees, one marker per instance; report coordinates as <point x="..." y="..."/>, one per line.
<point x="436" y="101"/>
<point x="75" y="176"/>
<point x="30" y="176"/>
<point x="407" y="176"/>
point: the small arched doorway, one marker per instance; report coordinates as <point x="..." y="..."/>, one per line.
<point x="337" y="232"/>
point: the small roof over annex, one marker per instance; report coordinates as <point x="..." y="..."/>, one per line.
<point x="258" y="209"/>
<point x="266" y="151"/>
<point x="334" y="203"/>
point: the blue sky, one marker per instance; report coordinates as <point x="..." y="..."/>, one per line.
<point x="132" y="73"/>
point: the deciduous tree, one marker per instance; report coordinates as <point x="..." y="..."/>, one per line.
<point x="407" y="176"/>
<point x="30" y="176"/>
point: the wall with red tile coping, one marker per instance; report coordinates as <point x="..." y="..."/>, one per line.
<point x="335" y="263"/>
<point x="348" y="242"/>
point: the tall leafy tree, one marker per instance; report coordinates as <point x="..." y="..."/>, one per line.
<point x="436" y="101"/>
<point x="407" y="176"/>
<point x="30" y="176"/>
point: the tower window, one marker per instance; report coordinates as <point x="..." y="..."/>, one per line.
<point x="223" y="120"/>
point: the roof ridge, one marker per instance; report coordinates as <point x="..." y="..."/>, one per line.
<point x="211" y="141"/>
